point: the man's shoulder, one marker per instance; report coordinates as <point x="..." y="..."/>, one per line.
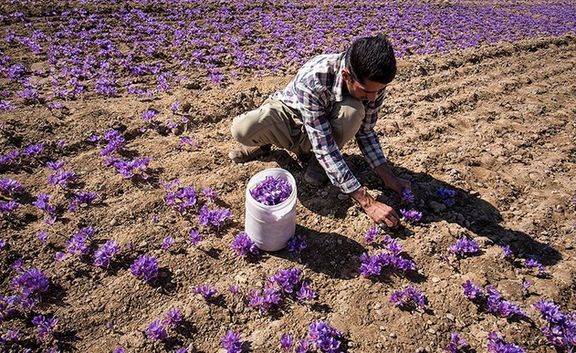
<point x="319" y="71"/>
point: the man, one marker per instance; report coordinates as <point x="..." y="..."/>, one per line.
<point x="332" y="98"/>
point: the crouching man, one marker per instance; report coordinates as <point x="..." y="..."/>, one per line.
<point x="332" y="99"/>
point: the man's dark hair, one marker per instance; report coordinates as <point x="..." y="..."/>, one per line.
<point x="371" y="58"/>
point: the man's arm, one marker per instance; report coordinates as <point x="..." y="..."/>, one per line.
<point x="372" y="150"/>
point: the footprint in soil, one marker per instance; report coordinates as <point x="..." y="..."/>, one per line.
<point x="470" y="212"/>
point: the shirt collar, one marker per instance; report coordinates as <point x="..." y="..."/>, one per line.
<point x="339" y="88"/>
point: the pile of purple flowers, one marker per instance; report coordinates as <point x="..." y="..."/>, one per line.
<point x="283" y="284"/>
<point x="560" y="328"/>
<point x="79" y="243"/>
<point x="321" y="337"/>
<point x="496" y="344"/>
<point x="18" y="158"/>
<point x="389" y="258"/>
<point x="158" y="329"/>
<point x="447" y="196"/>
<point x="145" y="268"/>
<point x="465" y="247"/>
<point x="272" y="191"/>
<point x="409" y="298"/>
<point x="243" y="246"/>
<point x="492" y="301"/>
<point x="231" y="342"/>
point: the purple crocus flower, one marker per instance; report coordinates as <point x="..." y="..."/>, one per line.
<point x="465" y="247"/>
<point x="532" y="263"/>
<point x="507" y="251"/>
<point x="55" y="165"/>
<point x="286" y="342"/>
<point x="195" y="237"/>
<point x="79" y="243"/>
<point x="210" y="194"/>
<point x="272" y="191"/>
<point x="167" y="242"/>
<point x="411" y="216"/>
<point x="297" y="243"/>
<point x="213" y="218"/>
<point x="82" y="198"/>
<point x="149" y="115"/>
<point x="206" y="291"/>
<point x="407" y="196"/>
<point x="103" y="256"/>
<point x="31" y="283"/>
<point x="156" y="331"/>
<point x="371" y="235"/>
<point x="33" y="150"/>
<point x="457" y="344"/>
<point x="62" y="178"/>
<point x="496" y="344"/>
<point x="119" y="350"/>
<point x="244" y="246"/>
<point x="409" y="298"/>
<point x="324" y="337"/>
<point x="473" y="292"/>
<point x="42" y="202"/>
<point x="173" y="317"/>
<point x="447" y="195"/>
<point x="8" y="206"/>
<point x="10" y="187"/>
<point x="305" y="293"/>
<point x="44" y="326"/>
<point x="145" y="268"/>
<point x="231" y="342"/>
<point x="183" y="199"/>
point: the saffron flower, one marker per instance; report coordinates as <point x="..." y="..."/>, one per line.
<point x="156" y="331"/>
<point x="131" y="168"/>
<point x="231" y="342"/>
<point x="272" y="191"/>
<point x="324" y="337"/>
<point x="532" y="263"/>
<point x="10" y="187"/>
<point x="145" y="268"/>
<point x="44" y="326"/>
<point x="560" y="328"/>
<point x="465" y="247"/>
<point x="8" y="206"/>
<point x="173" y="317"/>
<point x="167" y="243"/>
<point x="210" y="194"/>
<point x="407" y="196"/>
<point x="457" y="344"/>
<point x="206" y="291"/>
<point x="409" y="298"/>
<point x="183" y="199"/>
<point x="244" y="246"/>
<point x="103" y="256"/>
<point x="62" y="178"/>
<point x="213" y="218"/>
<point x="297" y="243"/>
<point x="31" y="283"/>
<point x="286" y="342"/>
<point x="492" y="301"/>
<point x="82" y="198"/>
<point x="496" y="344"/>
<point x="79" y="243"/>
<point x="195" y="237"/>
<point x="411" y="216"/>
<point x="371" y="235"/>
<point x="447" y="196"/>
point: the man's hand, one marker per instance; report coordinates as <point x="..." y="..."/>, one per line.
<point x="378" y="211"/>
<point x="393" y="182"/>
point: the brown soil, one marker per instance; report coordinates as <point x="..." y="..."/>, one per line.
<point x="496" y="123"/>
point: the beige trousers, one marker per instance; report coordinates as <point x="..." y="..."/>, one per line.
<point x="278" y="124"/>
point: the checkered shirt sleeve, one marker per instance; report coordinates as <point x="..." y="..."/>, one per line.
<point x="366" y="136"/>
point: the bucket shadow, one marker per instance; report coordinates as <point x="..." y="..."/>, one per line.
<point x="471" y="212"/>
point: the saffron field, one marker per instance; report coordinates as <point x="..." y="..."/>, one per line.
<point x="122" y="218"/>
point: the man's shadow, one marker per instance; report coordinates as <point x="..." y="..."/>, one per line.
<point x="470" y="211"/>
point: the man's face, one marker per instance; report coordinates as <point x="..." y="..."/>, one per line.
<point x="367" y="91"/>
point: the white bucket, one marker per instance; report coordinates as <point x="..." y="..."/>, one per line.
<point x="270" y="227"/>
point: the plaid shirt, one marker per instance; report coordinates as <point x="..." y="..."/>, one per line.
<point x="317" y="86"/>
